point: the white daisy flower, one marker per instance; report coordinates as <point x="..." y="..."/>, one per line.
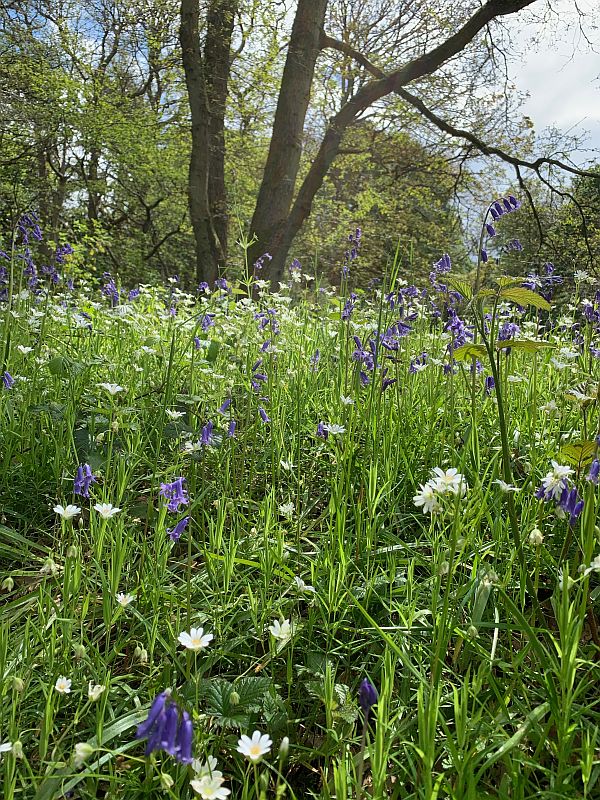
<point x="63" y="685"/>
<point x="112" y="388"/>
<point x="95" y="690"/>
<point x="449" y="481"/>
<point x="281" y="630"/>
<point x="346" y="401"/>
<point x="303" y="587"/>
<point x="256" y="747"/>
<point x="427" y="499"/>
<point x="334" y="429"/>
<point x="106" y="510"/>
<point x="506" y="487"/>
<point x="124" y="599"/>
<point x="5" y="747"/>
<point x="287" y="510"/>
<point x="554" y="482"/>
<point x="202" y="768"/>
<point x="211" y="786"/>
<point x="174" y="414"/>
<point x="67" y="512"/>
<point x="22" y="349"/>
<point x="196" y="639"/>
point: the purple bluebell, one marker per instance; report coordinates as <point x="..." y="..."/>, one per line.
<point x="83" y="480"/>
<point x="259" y="263"/>
<point x="207" y="321"/>
<point x="571" y="504"/>
<point x="484" y="256"/>
<point x="175" y="533"/>
<point x="322" y="431"/>
<point x="167" y="729"/>
<point x="508" y="330"/>
<point x="367" y="696"/>
<point x="489" y="385"/>
<point x="175" y="494"/>
<point x="203" y="287"/>
<point x="109" y="289"/>
<point x="8" y="380"/>
<point x="594" y="473"/>
<point x="207" y="434"/>
<point x="225" y="405"/>
<point x="314" y="359"/>
<point x="490" y="229"/>
<point x="231" y="429"/>
<point x="133" y="294"/>
<point x="263" y="414"/>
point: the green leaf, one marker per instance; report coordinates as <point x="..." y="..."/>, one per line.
<point x="213" y="351"/>
<point x="460" y="285"/>
<point x="64" y="367"/>
<point x="579" y="454"/>
<point x="527" y="345"/>
<point x="468" y="351"/>
<point x="525" y="297"/>
<point x="505" y="280"/>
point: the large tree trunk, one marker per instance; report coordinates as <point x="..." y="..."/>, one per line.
<point x="281" y="169"/>
<point x="208" y="249"/>
<point x="217" y="64"/>
<point x="371" y="92"/>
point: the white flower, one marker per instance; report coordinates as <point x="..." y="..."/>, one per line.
<point x="303" y="587"/>
<point x="112" y="388"/>
<point x="22" y="349"/>
<point x="554" y="482"/>
<point x="67" y="512"/>
<point x="427" y="498"/>
<point x="83" y="751"/>
<point x="106" y="510"/>
<point x="334" y="429"/>
<point x="256" y="747"/>
<point x="550" y="408"/>
<point x="207" y="767"/>
<point x="594" y="566"/>
<point x="346" y="401"/>
<point x="506" y="487"/>
<point x="287" y="510"/>
<point x="580" y="275"/>
<point x="536" y="537"/>
<point x="449" y="481"/>
<point x="286" y="465"/>
<point x="210" y="786"/>
<point x="5" y="747"/>
<point x="561" y="580"/>
<point x="174" y="414"/>
<point x="281" y="630"/>
<point x="95" y="690"/>
<point x="124" y="599"/>
<point x="196" y="639"/>
<point x="63" y="685"/>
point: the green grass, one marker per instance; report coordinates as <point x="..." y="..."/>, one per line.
<point x="483" y="691"/>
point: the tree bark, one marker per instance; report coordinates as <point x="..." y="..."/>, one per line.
<point x="208" y="249"/>
<point x="217" y="63"/>
<point x="370" y="93"/>
<point x="281" y="169"/>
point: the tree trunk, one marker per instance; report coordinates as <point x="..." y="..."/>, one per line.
<point x="281" y="169"/>
<point x="208" y="250"/>
<point x="370" y="93"/>
<point x="217" y="63"/>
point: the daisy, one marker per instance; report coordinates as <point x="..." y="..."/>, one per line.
<point x="196" y="639"/>
<point x="5" y="747"/>
<point x="449" y="481"/>
<point x="95" y="690"/>
<point x="281" y="630"/>
<point x="208" y="767"/>
<point x="554" y="482"/>
<point x="256" y="747"/>
<point x="427" y="498"/>
<point x="67" y="512"/>
<point x="112" y="388"/>
<point x="174" y="414"/>
<point x="335" y="429"/>
<point x="303" y="587"/>
<point x="106" y="510"/>
<point x="210" y="786"/>
<point x="506" y="487"/>
<point x="22" y="349"/>
<point x="63" y="685"/>
<point x="124" y="599"/>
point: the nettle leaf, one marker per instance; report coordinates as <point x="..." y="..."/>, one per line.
<point x="252" y="691"/>
<point x="525" y="297"/>
<point x="579" y="454"/>
<point x="459" y="285"/>
<point x="468" y="351"/>
<point x="64" y="367"/>
<point x="527" y="345"/>
<point x="217" y="694"/>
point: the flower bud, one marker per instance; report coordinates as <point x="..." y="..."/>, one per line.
<point x="472" y="632"/>
<point x="234" y="698"/>
<point x="79" y="651"/>
<point x="284" y="748"/>
<point x="18" y="685"/>
<point x="166" y="781"/>
<point x="83" y="751"/>
<point x="17" y="749"/>
<point x="8" y="584"/>
<point x="72" y="551"/>
<point x="536" y="537"/>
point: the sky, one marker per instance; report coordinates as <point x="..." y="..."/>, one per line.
<point x="562" y="76"/>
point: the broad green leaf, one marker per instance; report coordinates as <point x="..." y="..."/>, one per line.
<point x="459" y="285"/>
<point x="527" y="345"/>
<point x="578" y="454"/>
<point x="213" y="351"/>
<point x="525" y="297"/>
<point x="468" y="351"/>
<point x="505" y="280"/>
